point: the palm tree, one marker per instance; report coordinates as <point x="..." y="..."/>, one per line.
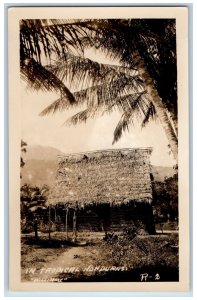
<point x="146" y="50"/>
<point x="150" y="47"/>
<point x="32" y="199"/>
<point x="149" y="44"/>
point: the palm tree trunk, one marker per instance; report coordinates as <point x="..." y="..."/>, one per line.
<point x="158" y="104"/>
<point x="55" y="218"/>
<point x="175" y="121"/>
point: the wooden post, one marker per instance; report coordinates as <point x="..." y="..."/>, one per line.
<point x="161" y="226"/>
<point x="55" y="217"/>
<point x="74" y="226"/>
<point x="36" y="228"/>
<point x="67" y="223"/>
<point x="49" y="222"/>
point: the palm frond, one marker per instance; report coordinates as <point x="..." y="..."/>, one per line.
<point x="134" y="108"/>
<point x="109" y="90"/>
<point x="123" y="124"/>
<point x="60" y="105"/>
<point x="140" y="109"/>
<point x="102" y="95"/>
<point x="38" y="77"/>
<point x="83" y="72"/>
<point x="49" y="37"/>
<point x="81" y="117"/>
<point x="137" y="102"/>
<point x="150" y="114"/>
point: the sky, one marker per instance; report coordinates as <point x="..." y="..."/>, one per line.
<point x="95" y="134"/>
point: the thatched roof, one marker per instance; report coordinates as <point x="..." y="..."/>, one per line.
<point x="108" y="176"/>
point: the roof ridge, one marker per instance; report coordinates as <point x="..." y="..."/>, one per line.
<point x="105" y="150"/>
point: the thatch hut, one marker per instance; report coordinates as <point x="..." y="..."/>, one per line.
<point x="106" y="189"/>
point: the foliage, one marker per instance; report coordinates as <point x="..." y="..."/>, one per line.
<point x="33" y="197"/>
<point x="165" y="199"/>
<point x="154" y="39"/>
<point x="40" y="41"/>
<point x="23" y="150"/>
<point x="143" y="252"/>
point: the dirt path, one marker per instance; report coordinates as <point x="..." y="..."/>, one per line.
<point x="72" y="262"/>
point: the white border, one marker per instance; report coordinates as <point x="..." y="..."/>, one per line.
<point x="2" y="85"/>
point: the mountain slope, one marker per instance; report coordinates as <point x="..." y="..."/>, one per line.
<point x="42" y="153"/>
<point x="160" y="172"/>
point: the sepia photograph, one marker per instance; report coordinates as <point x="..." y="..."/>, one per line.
<point x="98" y="159"/>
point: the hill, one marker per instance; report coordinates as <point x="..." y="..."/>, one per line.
<point x="42" y="153"/>
<point x="160" y="172"/>
<point x="40" y="165"/>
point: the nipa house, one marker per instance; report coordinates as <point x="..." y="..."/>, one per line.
<point x="104" y="190"/>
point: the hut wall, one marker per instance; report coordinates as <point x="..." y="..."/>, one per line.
<point x="109" y="218"/>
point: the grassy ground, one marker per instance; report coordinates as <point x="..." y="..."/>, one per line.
<point x="149" y="254"/>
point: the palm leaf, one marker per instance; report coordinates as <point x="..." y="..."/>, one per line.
<point x="83" y="72"/>
<point x="103" y="95"/>
<point x="38" y="77"/>
<point x="150" y="114"/>
<point x="139" y="109"/>
<point x="60" y="105"/>
<point x="49" y="36"/>
<point x="81" y="117"/>
<point x="133" y="105"/>
<point x="106" y="92"/>
<point x="138" y="102"/>
<point x="123" y="124"/>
